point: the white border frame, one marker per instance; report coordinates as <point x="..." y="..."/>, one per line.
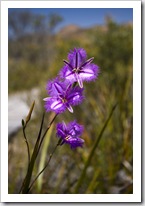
<point x="136" y="196"/>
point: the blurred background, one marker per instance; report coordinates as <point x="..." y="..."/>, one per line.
<point x="39" y="40"/>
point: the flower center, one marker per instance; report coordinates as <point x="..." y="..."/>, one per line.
<point x="63" y="99"/>
<point x="76" y="70"/>
<point x="67" y="137"/>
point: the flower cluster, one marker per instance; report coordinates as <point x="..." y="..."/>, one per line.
<point x="66" y="91"/>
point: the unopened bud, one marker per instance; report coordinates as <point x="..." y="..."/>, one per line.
<point x="30" y="112"/>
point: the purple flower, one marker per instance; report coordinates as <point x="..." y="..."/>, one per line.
<point x="62" y="96"/>
<point x="78" y="68"/>
<point x="70" y="134"/>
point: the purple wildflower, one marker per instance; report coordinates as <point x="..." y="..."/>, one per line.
<point x="62" y="96"/>
<point x="70" y="134"/>
<point x="78" y="68"/>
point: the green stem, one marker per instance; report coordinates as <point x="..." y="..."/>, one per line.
<point x="26" y="144"/>
<point x="24" y="127"/>
<point x="92" y="152"/>
<point x="29" y="173"/>
<point x="27" y="179"/>
<point x="24" y="124"/>
<point x="26" y="183"/>
<point x="46" y="132"/>
<point x="50" y="156"/>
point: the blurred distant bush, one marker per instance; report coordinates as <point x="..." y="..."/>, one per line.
<point x="35" y="49"/>
<point x="115" y="45"/>
<point x="31" y="46"/>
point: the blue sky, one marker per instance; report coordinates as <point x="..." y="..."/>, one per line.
<point x="86" y="17"/>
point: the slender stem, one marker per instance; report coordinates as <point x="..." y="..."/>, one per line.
<point x="92" y="151"/>
<point x="24" y="127"/>
<point x="22" y="185"/>
<point x="46" y="132"/>
<point x="24" y="124"/>
<point x="26" y="144"/>
<point x="50" y="156"/>
<point x="27" y="179"/>
<point x="26" y="182"/>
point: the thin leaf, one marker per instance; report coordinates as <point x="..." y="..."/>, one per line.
<point x="43" y="157"/>
<point x="82" y="177"/>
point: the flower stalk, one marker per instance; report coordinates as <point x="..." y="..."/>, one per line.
<point x="26" y="183"/>
<point x="50" y="156"/>
<point x="24" y="124"/>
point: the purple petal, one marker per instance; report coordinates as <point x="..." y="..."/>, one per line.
<point x="64" y="126"/>
<point x="89" y="72"/>
<point x="68" y="88"/>
<point x="75" y="129"/>
<point x="61" y="132"/>
<point x="75" y="96"/>
<point x="68" y="64"/>
<point x="75" y="142"/>
<point x="55" y="104"/>
<point x="69" y="108"/>
<point x="46" y="99"/>
<point x="87" y="62"/>
<point x="55" y="87"/>
<point x="77" y="57"/>
<point x="67" y="74"/>
<point x="79" y="80"/>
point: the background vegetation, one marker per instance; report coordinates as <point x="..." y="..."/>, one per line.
<point x="36" y="55"/>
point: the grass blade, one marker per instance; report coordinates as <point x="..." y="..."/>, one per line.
<point x="43" y="158"/>
<point x="92" y="151"/>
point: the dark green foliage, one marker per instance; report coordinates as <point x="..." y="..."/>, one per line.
<point x="116" y="43"/>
